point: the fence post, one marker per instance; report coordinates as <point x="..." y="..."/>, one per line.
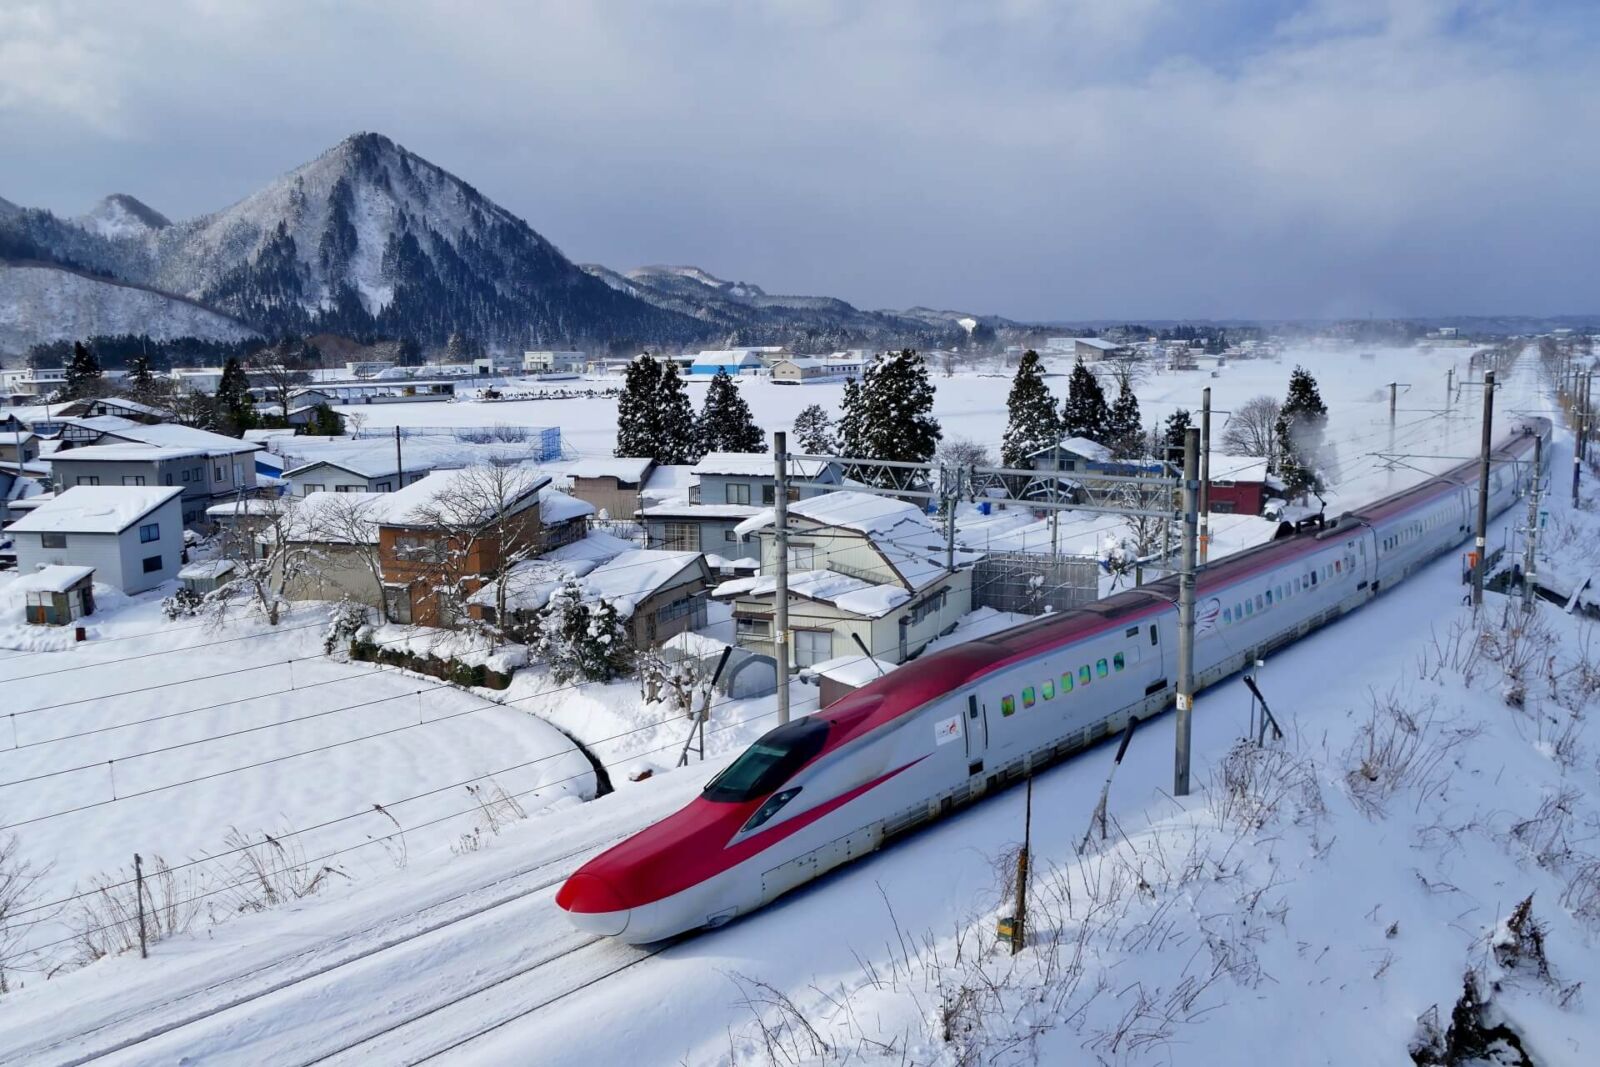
<point x="138" y="888"/>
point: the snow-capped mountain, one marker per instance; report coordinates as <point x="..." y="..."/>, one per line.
<point x="370" y="238"/>
<point x="747" y="314"/>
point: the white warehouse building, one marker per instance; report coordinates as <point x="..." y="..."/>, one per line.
<point x="131" y="535"/>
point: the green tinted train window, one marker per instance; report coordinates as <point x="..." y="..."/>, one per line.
<point x="1049" y="690"/>
<point x="1027" y="697"/>
<point x="1008" y="705"/>
<point x="1100" y="668"/>
<point x="1118" y="661"/>
<point x="1083" y="675"/>
<point x="1066" y="682"/>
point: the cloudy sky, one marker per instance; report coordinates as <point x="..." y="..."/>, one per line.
<point x="1033" y="158"/>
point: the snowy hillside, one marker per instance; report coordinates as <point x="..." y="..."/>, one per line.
<point x="42" y="303"/>
<point x="120" y="215"/>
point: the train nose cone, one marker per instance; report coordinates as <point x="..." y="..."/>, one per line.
<point x="592" y="904"/>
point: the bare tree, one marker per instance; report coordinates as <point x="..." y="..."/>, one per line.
<point x="963" y="452"/>
<point x="190" y="407"/>
<point x="480" y="525"/>
<point x="1249" y="430"/>
<point x="1125" y="372"/>
<point x="17" y="881"/>
<point x="347" y="524"/>
<point x="285" y="550"/>
<point x="281" y="379"/>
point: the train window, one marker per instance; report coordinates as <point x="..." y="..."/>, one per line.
<point x="1227" y="615"/>
<point x="1008" y="705"/>
<point x="1258" y="601"/>
<point x="1132" y="631"/>
<point x="766" y="764"/>
<point x="1083" y="675"/>
<point x="1027" y="697"/>
<point x="1269" y="598"/>
<point x="1100" y="668"/>
<point x="1249" y="607"/>
<point x="1313" y="579"/>
<point x="1049" y="690"/>
<point x="1152" y="633"/>
<point x="1338" y="565"/>
<point x="1118" y="662"/>
<point x="1066" y="682"/>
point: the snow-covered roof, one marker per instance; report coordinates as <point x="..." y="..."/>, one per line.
<point x="622" y="468"/>
<point x="598" y="546"/>
<point x="1085" y="447"/>
<point x="95" y="509"/>
<point x="374" y="457"/>
<point x="530" y="582"/>
<point x="251" y="505"/>
<point x="556" y="506"/>
<point x="694" y="644"/>
<point x="1098" y="342"/>
<point x="674" y="509"/>
<point x="464" y="494"/>
<point x="56" y="578"/>
<point x="206" y="569"/>
<point x="331" y="518"/>
<point x="636" y="574"/>
<point x="129" y="453"/>
<point x="843" y="591"/>
<point x="1238" y="468"/>
<point x="732" y="357"/>
<point x="753" y="465"/>
<point x="171" y="435"/>
<point x="803" y="362"/>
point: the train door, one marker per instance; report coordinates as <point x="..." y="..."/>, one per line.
<point x="977" y="733"/>
<point x="1153" y="668"/>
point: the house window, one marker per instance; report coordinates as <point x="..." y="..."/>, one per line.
<point x="769" y="495"/>
<point x="88" y="479"/>
<point x="736" y="493"/>
<point x="133" y="479"/>
<point x="314" y="487"/>
<point x="681" y="537"/>
<point x="812" y="647"/>
<point x="384" y="487"/>
<point x="802" y="557"/>
<point x="166" y="479"/>
<point x="416" y="546"/>
<point x="150" y="531"/>
<point x="730" y="536"/>
<point x="747" y="626"/>
<point x="52" y="540"/>
<point x="152" y="564"/>
<point x="350" y="489"/>
<point x="188" y="475"/>
<point x="397" y="603"/>
<point x="930" y="606"/>
<point x="199" y="474"/>
<point x="1008" y="705"/>
<point x="222" y="473"/>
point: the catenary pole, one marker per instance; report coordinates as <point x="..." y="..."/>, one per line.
<point x="1205" y="475"/>
<point x="1180" y="774"/>
<point x="1530" y="536"/>
<point x="780" y="603"/>
<point x="1480" y="542"/>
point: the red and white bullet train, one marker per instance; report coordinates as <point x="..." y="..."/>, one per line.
<point x="945" y="729"/>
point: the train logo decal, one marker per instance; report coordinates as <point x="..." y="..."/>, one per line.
<point x="947" y="730"/>
<point x="1205" y="614"/>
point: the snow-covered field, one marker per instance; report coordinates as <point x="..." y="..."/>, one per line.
<point x="163" y="738"/>
<point x="1286" y="912"/>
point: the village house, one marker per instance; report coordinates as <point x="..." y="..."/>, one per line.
<point x="131" y="536"/>
<point x="727" y="488"/>
<point x="612" y="485"/>
<point x="546" y="361"/>
<point x="861" y="567"/>
<point x="55" y="595"/>
<point x="1240" y="485"/>
<point x="735" y="361"/>
<point x="659" y="593"/>
<point x="208" y="467"/>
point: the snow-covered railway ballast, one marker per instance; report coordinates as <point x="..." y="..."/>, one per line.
<point x="946" y="729"/>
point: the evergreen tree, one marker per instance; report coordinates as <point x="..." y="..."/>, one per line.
<point x="675" y="428"/>
<point x="1085" y="413"/>
<point x="141" y="378"/>
<point x="851" y="442"/>
<point x="84" y="377"/>
<point x="1124" y="432"/>
<point x="1176" y="425"/>
<point x="1299" y="430"/>
<point x="637" y="421"/>
<point x="726" y="424"/>
<point x="813" y="431"/>
<point x="1032" y="422"/>
<point x="896" y="405"/>
<point x="581" y="642"/>
<point x="605" y="652"/>
<point x="234" y="403"/>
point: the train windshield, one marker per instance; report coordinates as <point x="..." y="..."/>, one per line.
<point x="769" y="762"/>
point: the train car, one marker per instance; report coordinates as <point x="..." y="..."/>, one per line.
<point x="946" y="729"/>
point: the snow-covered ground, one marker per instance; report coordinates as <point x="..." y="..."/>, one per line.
<point x="1286" y="912"/>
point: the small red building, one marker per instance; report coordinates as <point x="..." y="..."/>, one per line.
<point x="1240" y="485"/>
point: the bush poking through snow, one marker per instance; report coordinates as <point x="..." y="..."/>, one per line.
<point x="346" y="622"/>
<point x="106" y="922"/>
<point x="1253" y="783"/>
<point x="17" y="881"/>
<point x="270" y="872"/>
<point x="183" y="604"/>
<point x="1477" y="1034"/>
<point x="582" y="642"/>
<point x="1519" y="942"/>
<point x="1397" y="748"/>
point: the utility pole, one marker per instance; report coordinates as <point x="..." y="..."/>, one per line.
<point x="1205" y="475"/>
<point x="1393" y="389"/>
<point x="138" y="889"/>
<point x="1180" y="773"/>
<point x="1580" y="416"/>
<point x="399" y="465"/>
<point x="1449" y="386"/>
<point x="1480" y="543"/>
<point x="950" y="487"/>
<point x="780" y="603"/>
<point x="1530" y="537"/>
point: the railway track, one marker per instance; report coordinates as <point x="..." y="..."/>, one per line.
<point x="129" y="1029"/>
